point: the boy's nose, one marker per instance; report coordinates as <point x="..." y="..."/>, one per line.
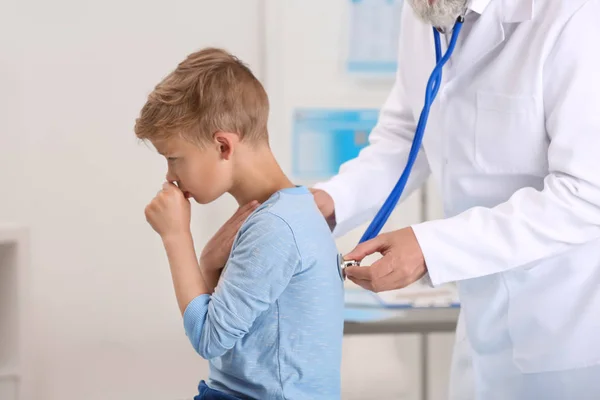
<point x="171" y="177"/>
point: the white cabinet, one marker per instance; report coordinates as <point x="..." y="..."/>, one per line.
<point x="8" y="386"/>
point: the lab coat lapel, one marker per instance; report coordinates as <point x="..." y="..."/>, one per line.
<point x="486" y="34"/>
<point x="517" y="10"/>
<point x="488" y="31"/>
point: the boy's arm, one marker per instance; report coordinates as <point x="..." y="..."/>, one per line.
<point x="169" y="215"/>
<point x="187" y="278"/>
<point x="259" y="269"/>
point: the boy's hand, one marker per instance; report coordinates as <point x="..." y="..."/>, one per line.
<point x="217" y="250"/>
<point x="169" y="213"/>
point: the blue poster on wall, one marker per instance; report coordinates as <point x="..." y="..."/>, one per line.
<point x="324" y="139"/>
<point x="374" y="28"/>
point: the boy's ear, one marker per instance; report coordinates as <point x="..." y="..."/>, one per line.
<point x="226" y="143"/>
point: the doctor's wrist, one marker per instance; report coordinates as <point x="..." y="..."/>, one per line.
<point x="326" y="206"/>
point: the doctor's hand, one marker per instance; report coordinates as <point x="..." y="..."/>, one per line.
<point x="169" y="213"/>
<point x="326" y="206"/>
<point x="401" y="265"/>
<point x="217" y="250"/>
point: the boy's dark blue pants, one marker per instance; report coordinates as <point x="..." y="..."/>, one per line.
<point x="206" y="393"/>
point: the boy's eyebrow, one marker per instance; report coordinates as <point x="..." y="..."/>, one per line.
<point x="162" y="152"/>
<point x="162" y="148"/>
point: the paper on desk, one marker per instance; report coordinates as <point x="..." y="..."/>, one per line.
<point x="368" y="314"/>
<point x="357" y="297"/>
<point x="420" y="296"/>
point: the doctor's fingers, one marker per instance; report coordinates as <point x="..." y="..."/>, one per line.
<point x="390" y="282"/>
<point x="362" y="283"/>
<point x="378" y="244"/>
<point x="377" y="285"/>
<point x="388" y="273"/>
<point x="376" y="273"/>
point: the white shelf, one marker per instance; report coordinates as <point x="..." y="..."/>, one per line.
<point x="13" y="262"/>
<point x="9" y="373"/>
<point x="11" y="235"/>
<point x="9" y="386"/>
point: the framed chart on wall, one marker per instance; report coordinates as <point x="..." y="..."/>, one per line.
<point x="324" y="139"/>
<point x="374" y="27"/>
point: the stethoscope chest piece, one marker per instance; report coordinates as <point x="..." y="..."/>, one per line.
<point x="343" y="264"/>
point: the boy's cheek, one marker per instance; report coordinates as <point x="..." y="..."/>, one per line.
<point x="206" y="195"/>
<point x="201" y="199"/>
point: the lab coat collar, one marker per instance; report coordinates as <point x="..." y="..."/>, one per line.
<point x="514" y="11"/>
<point x="478" y="5"/>
<point x="488" y="31"/>
<point x="511" y="10"/>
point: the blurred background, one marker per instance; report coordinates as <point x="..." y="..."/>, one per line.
<point x="87" y="309"/>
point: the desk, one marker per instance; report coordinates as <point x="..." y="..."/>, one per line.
<point x="371" y="320"/>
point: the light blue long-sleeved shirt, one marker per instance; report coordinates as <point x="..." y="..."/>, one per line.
<point x="273" y="327"/>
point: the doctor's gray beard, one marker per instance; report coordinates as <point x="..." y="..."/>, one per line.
<point x="441" y="14"/>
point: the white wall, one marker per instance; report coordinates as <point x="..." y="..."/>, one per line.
<point x="73" y="76"/>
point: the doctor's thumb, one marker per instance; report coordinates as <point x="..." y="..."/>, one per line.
<point x="367" y="248"/>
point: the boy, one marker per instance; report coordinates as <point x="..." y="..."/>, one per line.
<point x="271" y="323"/>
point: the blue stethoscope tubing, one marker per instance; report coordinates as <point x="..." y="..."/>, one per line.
<point x="433" y="85"/>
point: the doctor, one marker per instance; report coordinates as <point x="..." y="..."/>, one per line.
<point x="513" y="142"/>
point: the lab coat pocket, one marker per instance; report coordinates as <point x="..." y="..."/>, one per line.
<point x="509" y="134"/>
<point x="553" y="313"/>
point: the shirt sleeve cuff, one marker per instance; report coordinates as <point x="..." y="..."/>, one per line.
<point x="194" y="317"/>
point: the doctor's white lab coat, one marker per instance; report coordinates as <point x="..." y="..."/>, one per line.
<point x="513" y="142"/>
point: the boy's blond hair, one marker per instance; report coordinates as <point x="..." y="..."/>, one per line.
<point x="210" y="91"/>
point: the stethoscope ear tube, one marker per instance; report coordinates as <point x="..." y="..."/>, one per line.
<point x="433" y="85"/>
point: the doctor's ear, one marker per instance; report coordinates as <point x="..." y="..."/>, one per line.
<point x="226" y="143"/>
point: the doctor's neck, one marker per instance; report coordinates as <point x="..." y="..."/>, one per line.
<point x="439" y="13"/>
<point x="257" y="175"/>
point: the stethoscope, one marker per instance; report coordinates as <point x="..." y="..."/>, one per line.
<point x="433" y="85"/>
